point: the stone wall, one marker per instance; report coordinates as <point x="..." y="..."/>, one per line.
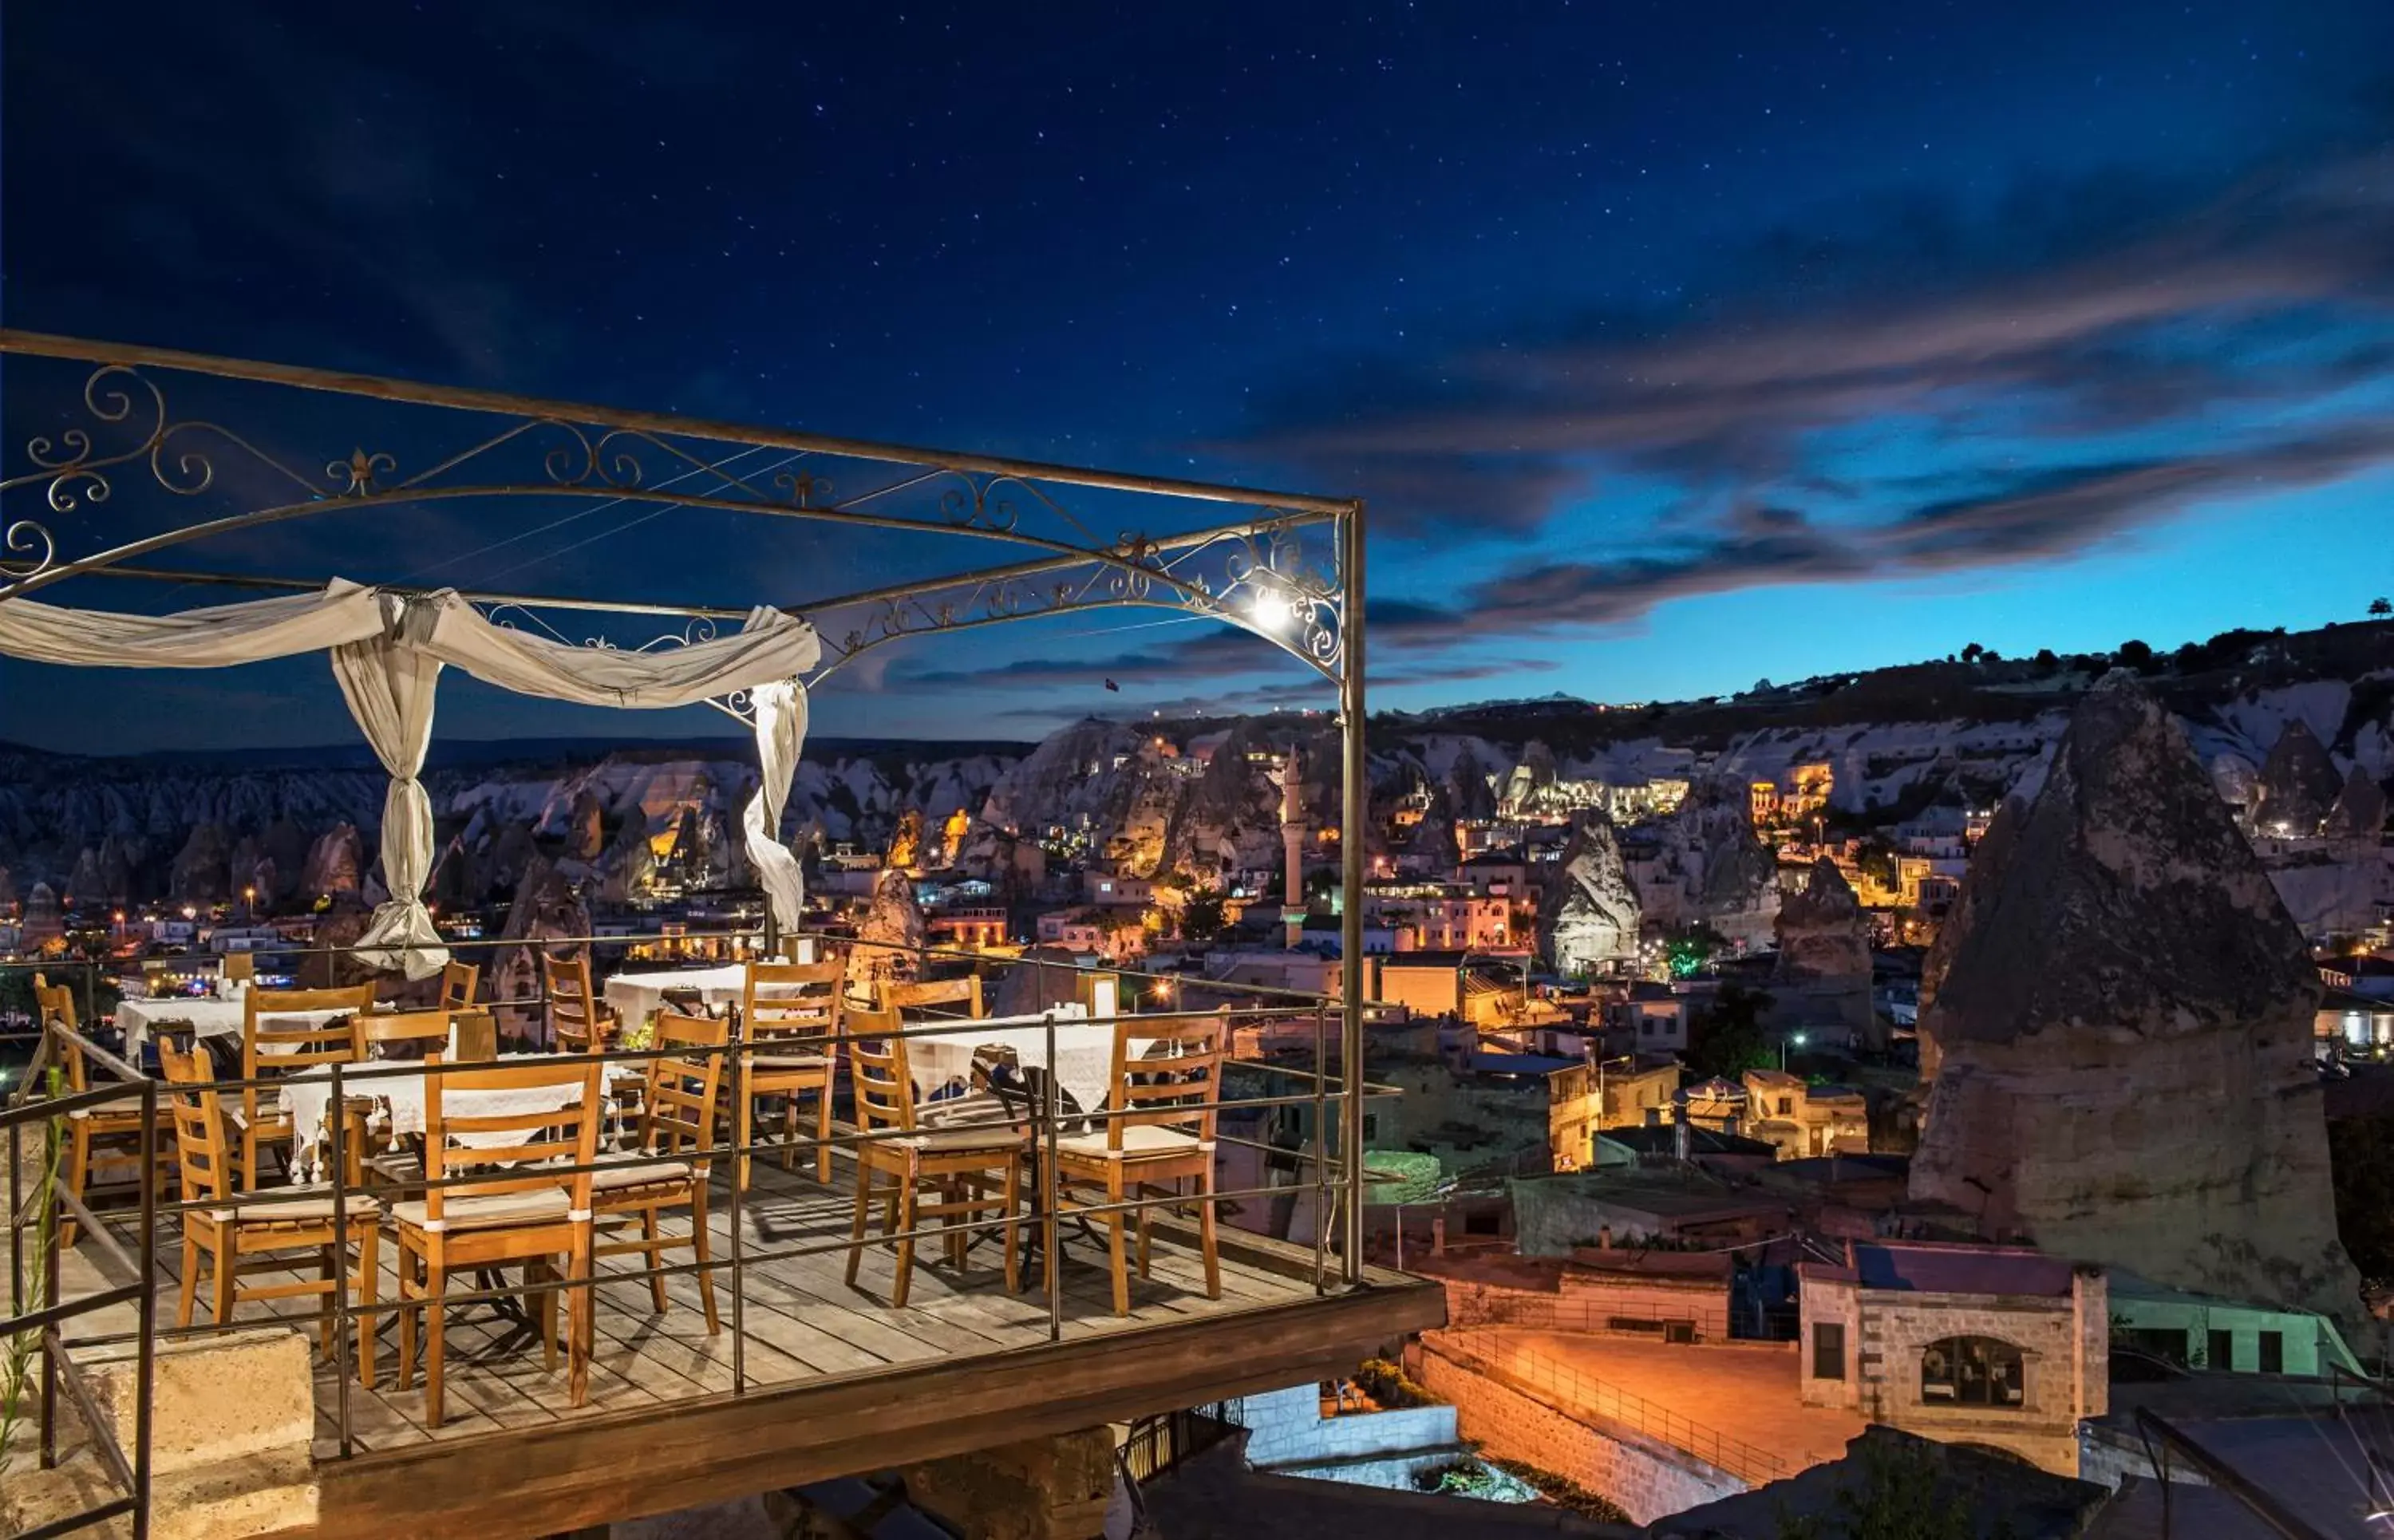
<point x="1287" y="1428"/>
<point x="1648" y="1478"/>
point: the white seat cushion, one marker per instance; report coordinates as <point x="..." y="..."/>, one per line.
<point x="995" y="1138"/>
<point x="490" y="1210"/>
<point x="1140" y="1141"/>
<point x="317" y="1208"/>
<point x="788" y="1061"/>
<point x="619" y="1177"/>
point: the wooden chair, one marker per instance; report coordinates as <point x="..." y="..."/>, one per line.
<point x="274" y="1041"/>
<point x="677" y="1118"/>
<point x="1159" y="1130"/>
<point x="238" y="967"/>
<point x="790" y="1001"/>
<point x="252" y="1237"/>
<point x="91" y="1130"/>
<point x="403" y="1034"/>
<point x="509" y="1209"/>
<point x="973" y="1170"/>
<point x="577" y="1022"/>
<point x="935" y="997"/>
<point x="459" y="983"/>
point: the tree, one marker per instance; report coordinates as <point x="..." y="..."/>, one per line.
<point x="1728" y="1039"/>
<point x="1894" y="1495"/>
<point x="2136" y="654"/>
<point x="2381" y="608"/>
<point x="1973" y="652"/>
<point x="2046" y="660"/>
<point x="1201" y="916"/>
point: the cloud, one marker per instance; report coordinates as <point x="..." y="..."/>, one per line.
<point x="2071" y="311"/>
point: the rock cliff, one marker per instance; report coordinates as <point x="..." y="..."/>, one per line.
<point x="1823" y="974"/>
<point x="1589" y="922"/>
<point x="2297" y="784"/>
<point x="2124" y="1033"/>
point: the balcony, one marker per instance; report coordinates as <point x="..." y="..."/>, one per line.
<point x="809" y="1376"/>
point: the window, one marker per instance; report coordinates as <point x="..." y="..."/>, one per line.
<point x="2222" y="1352"/>
<point x="1828" y="1350"/>
<point x="1973" y="1371"/>
<point x="1786" y="1105"/>
<point x="1648" y="1026"/>
<point x="1370" y="1127"/>
<point x="2273" y="1353"/>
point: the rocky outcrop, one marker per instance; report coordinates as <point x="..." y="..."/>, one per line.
<point x="201" y="868"/>
<point x="2297" y="787"/>
<point x="1737" y="875"/>
<point x="336" y="862"/>
<point x="2124" y="1032"/>
<point x="890" y="935"/>
<point x="1588" y="924"/>
<point x="2359" y="815"/>
<point x="586" y="831"/>
<point x="1823" y="974"/>
<point x="1984" y="877"/>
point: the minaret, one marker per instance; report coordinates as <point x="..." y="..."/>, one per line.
<point x="1293" y="830"/>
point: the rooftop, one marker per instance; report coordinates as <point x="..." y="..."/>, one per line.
<point x="1930" y="1267"/>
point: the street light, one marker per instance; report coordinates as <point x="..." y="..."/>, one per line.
<point x="1798" y="1038"/>
<point x="1438" y="1194"/>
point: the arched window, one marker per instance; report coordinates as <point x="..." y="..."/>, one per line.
<point x="1973" y="1371"/>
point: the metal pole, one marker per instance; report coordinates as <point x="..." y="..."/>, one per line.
<point x="145" y="1390"/>
<point x="1051" y="1237"/>
<point x="739" y="1170"/>
<point x="337" y="1109"/>
<point x="1353" y="818"/>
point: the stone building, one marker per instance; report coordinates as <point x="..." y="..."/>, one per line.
<point x="1802" y="1119"/>
<point x="1984" y="1344"/>
<point x="1585" y="1099"/>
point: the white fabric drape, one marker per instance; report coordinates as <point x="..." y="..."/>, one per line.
<point x="771" y="646"/>
<point x="780" y="709"/>
<point x="387" y="652"/>
<point x="390" y="688"/>
<point x="213" y="638"/>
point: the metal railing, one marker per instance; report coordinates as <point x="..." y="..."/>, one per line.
<point x="1045" y="1118"/>
<point x="40" y="1310"/>
<point x="1582" y="1397"/>
<point x="1159" y="1445"/>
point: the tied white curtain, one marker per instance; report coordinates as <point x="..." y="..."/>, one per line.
<point x="389" y="686"/>
<point x="387" y="652"/>
<point x="213" y="638"/>
<point x="780" y="709"/>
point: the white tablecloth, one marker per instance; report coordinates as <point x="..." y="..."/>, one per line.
<point x="307" y="1095"/>
<point x="633" y="996"/>
<point x="1084" y="1051"/>
<point x="209" y="1018"/>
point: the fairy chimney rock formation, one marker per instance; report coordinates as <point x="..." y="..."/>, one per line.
<point x="2124" y="1033"/>
<point x="1823" y="974"/>
<point x="336" y="862"/>
<point x="1986" y="874"/>
<point x="2298" y="785"/>
<point x="1590" y="917"/>
<point x="2360" y="811"/>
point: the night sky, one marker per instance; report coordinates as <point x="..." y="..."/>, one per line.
<point x="1673" y="345"/>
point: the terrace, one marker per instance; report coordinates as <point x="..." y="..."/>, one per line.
<point x="642" y="1408"/>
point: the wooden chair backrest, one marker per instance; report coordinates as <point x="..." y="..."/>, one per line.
<point x="1168" y="1073"/>
<point x="572" y="1005"/>
<point x="272" y="1043"/>
<point x="237" y="967"/>
<point x="477" y="1035"/>
<point x="458" y="983"/>
<point x="679" y="1112"/>
<point x="54" y="1008"/>
<point x="429" y="1027"/>
<point x="794" y="1000"/>
<point x="906" y="997"/>
<point x="200" y="1146"/>
<point x="876" y="1064"/>
<point x="517" y="1143"/>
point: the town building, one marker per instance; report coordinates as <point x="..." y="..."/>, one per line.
<point x="1804" y="1119"/>
<point x="1968" y="1344"/>
<point x="1585" y="1099"/>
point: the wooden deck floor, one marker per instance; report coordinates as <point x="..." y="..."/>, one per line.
<point x="800" y="1320"/>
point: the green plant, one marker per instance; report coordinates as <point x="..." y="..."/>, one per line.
<point x="1564" y="1493"/>
<point x="1389" y="1386"/>
<point x="28" y="1289"/>
<point x="1893" y="1495"/>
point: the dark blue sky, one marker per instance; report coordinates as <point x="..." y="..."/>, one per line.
<point x="1674" y="345"/>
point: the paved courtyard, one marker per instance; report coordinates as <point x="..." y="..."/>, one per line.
<point x="1740" y="1393"/>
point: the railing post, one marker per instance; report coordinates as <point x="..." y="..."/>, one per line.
<point x="739" y="1052"/>
<point x="1050" y="1233"/>
<point x="146" y="1364"/>
<point x="336" y="1111"/>
<point x="1354" y="815"/>
<point x="47" y="1238"/>
<point x="1321" y="1148"/>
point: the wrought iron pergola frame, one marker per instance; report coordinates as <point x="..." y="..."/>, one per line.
<point x="1250" y="573"/>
